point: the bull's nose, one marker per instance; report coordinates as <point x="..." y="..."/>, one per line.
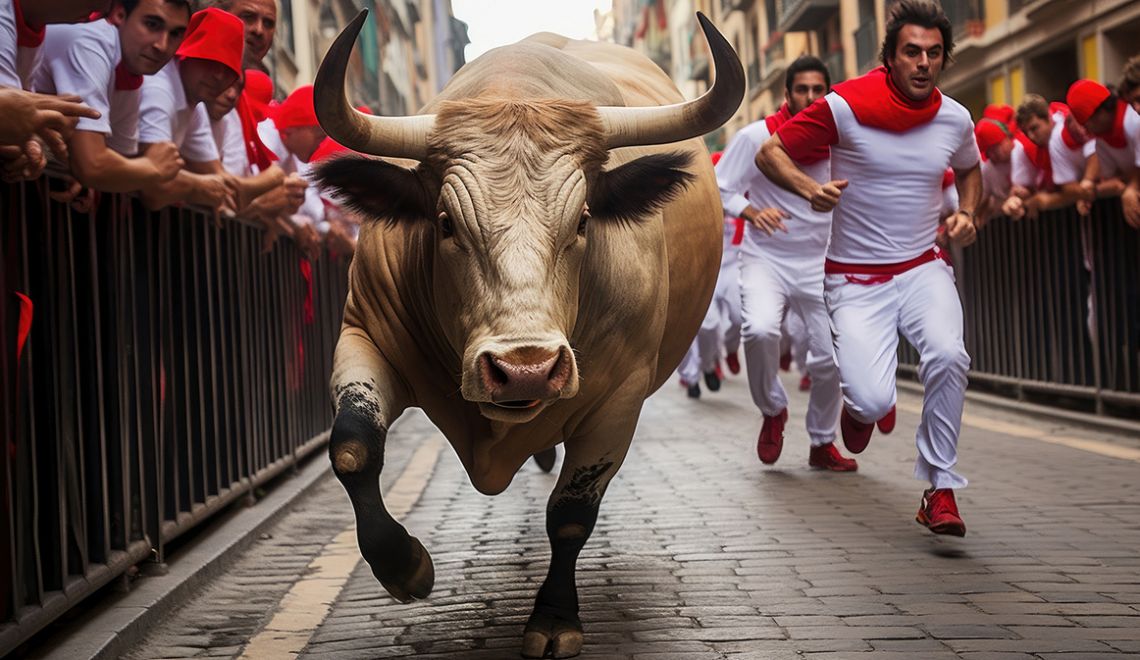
<point x="523" y="376"/>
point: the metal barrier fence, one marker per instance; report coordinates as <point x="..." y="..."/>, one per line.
<point x="171" y="368"/>
<point x="1052" y="307"/>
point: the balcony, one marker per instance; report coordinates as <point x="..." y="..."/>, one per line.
<point x="836" y="66"/>
<point x="966" y="16"/>
<point x="804" y="15"/>
<point x="754" y="78"/>
<point x="774" y="56"/>
<point x="867" y="45"/>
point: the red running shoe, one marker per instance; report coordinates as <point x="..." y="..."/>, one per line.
<point x="827" y="457"/>
<point x="733" y="363"/>
<point x="856" y="434"/>
<point x="785" y="362"/>
<point x="887" y="423"/>
<point x="771" y="440"/>
<point x="939" y="512"/>
<point x="805" y="383"/>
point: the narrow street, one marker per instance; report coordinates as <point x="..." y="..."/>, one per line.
<point x="701" y="552"/>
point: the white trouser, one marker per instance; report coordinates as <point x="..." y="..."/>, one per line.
<point x="767" y="293"/>
<point x="720" y="331"/>
<point x="794" y="339"/>
<point x="866" y="319"/>
<point x="690" y="368"/>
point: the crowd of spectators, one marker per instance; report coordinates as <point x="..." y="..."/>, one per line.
<point x="166" y="100"/>
<point x="1045" y="155"/>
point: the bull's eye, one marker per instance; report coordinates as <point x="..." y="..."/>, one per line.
<point x="445" y="225"/>
<point x="584" y="220"/>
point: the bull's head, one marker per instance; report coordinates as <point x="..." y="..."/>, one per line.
<point x="511" y="188"/>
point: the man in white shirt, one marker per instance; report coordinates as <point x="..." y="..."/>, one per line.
<point x="782" y="269"/>
<point x="1116" y="126"/>
<point x="172" y="110"/>
<point x="891" y="135"/>
<point x="995" y="142"/>
<point x="103" y="62"/>
<point x="22" y="24"/>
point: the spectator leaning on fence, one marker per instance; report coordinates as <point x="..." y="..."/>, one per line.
<point x="207" y="62"/>
<point x="1128" y="88"/>
<point x="294" y="135"/>
<point x="995" y="142"/>
<point x="271" y="193"/>
<point x="1116" y="126"/>
<point x="34" y="120"/>
<point x="1030" y="169"/>
<point x="103" y="62"/>
<point x="1076" y="167"/>
<point x="260" y="19"/>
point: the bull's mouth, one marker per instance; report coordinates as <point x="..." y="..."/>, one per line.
<point x="518" y="405"/>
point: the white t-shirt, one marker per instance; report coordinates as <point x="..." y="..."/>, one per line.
<point x="995" y="179"/>
<point x="81" y="59"/>
<point x="891" y="208"/>
<point x="1068" y="163"/>
<point x="18" y="63"/>
<point x="1023" y="172"/>
<point x="166" y="116"/>
<point x="231" y="144"/>
<point x="1121" y="161"/>
<point x="741" y="183"/>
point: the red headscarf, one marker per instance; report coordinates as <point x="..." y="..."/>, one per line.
<point x="989" y="133"/>
<point x="877" y="103"/>
<point x="1000" y="112"/>
<point x="214" y="35"/>
<point x="1084" y="97"/>
<point x="258" y="93"/>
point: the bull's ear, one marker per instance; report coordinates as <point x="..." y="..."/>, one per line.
<point x="640" y="187"/>
<point x="375" y="188"/>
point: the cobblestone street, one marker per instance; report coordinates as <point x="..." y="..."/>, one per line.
<point x="701" y="552"/>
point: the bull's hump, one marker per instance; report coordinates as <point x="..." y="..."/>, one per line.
<point x="535" y="70"/>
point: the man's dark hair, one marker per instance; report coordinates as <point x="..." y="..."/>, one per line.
<point x="190" y="5"/>
<point x="1034" y="105"/>
<point x="923" y="13"/>
<point x="806" y="63"/>
<point x="1109" y="104"/>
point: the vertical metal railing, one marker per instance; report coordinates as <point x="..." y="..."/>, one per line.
<point x="1052" y="308"/>
<point x="171" y="368"/>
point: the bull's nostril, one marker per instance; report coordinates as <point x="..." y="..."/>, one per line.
<point x="498" y="376"/>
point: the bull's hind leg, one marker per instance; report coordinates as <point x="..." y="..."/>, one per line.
<point x="571" y="512"/>
<point x="368" y="398"/>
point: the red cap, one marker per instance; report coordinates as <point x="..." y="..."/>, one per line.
<point x="1084" y="97"/>
<point x="214" y="35"/>
<point x="296" y="110"/>
<point x="716" y="156"/>
<point x="1000" y="112"/>
<point x="989" y="133"/>
<point x="258" y="92"/>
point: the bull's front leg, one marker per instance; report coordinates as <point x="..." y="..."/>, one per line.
<point x="590" y="462"/>
<point x="368" y="399"/>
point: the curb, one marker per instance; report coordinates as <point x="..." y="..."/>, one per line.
<point x="123" y="620"/>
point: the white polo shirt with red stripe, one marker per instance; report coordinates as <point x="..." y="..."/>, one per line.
<point x="83" y="59"/>
<point x="1069" y="162"/>
<point x="805" y="242"/>
<point x="167" y="116"/>
<point x="19" y="48"/>
<point x="890" y="211"/>
<point x="1121" y="161"/>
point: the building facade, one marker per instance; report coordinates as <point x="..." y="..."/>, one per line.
<point x="1005" y="48"/>
<point x="406" y="52"/>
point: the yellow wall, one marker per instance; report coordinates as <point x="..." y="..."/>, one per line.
<point x="1016" y="85"/>
<point x="997" y="90"/>
<point x="1090" y="61"/>
<point x="996" y="12"/>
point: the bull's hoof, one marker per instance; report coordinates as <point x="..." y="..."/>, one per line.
<point x="552" y="636"/>
<point x="545" y="458"/>
<point x="416" y="579"/>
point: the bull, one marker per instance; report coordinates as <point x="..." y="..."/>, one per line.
<point x="533" y="266"/>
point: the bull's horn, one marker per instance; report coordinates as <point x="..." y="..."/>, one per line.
<point x="629" y="126"/>
<point x="395" y="137"/>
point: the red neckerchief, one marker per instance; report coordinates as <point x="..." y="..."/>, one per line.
<point x="255" y="149"/>
<point x="781" y="117"/>
<point x="877" y="103"/>
<point x="26" y="35"/>
<point x="1072" y="141"/>
<point x="1039" y="156"/>
<point x="124" y="79"/>
<point x="947" y="178"/>
<point x="1115" y="136"/>
<point x="777" y="120"/>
